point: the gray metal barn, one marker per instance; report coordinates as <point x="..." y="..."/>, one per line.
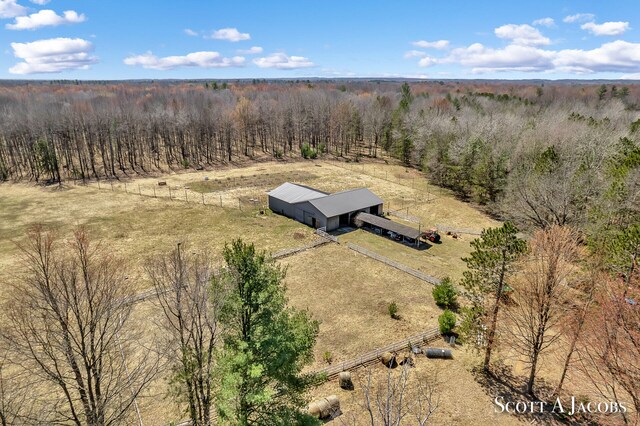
<point x="321" y="210"/>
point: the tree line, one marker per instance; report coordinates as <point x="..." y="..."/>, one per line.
<point x="536" y="154"/>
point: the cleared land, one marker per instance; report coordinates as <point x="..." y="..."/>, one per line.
<point x="348" y="292"/>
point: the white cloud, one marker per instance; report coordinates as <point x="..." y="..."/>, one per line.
<point x="579" y="17"/>
<point x="524" y="35"/>
<point x="606" y="28"/>
<point x="544" y="22"/>
<point x="40" y="2"/>
<point x="251" y="51"/>
<point x="195" y="59"/>
<point x="11" y="9"/>
<point x="617" y="56"/>
<point x="511" y="58"/>
<point x="414" y="54"/>
<point x="440" y="44"/>
<point x="45" y="18"/>
<point x="427" y="61"/>
<point x="229" y="34"/>
<point x="52" y="56"/>
<point x="190" y="32"/>
<point x="631" y="77"/>
<point x="283" y="61"/>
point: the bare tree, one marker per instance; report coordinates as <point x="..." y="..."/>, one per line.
<point x="399" y="397"/>
<point x="68" y="327"/>
<point x="183" y="286"/>
<point x="574" y="322"/>
<point x="538" y="309"/>
<point x="610" y="349"/>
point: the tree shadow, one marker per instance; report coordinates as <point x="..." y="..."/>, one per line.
<point x="502" y="382"/>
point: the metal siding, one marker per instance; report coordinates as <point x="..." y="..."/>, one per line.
<point x="291" y="193"/>
<point x="346" y="202"/>
<point x="333" y="223"/>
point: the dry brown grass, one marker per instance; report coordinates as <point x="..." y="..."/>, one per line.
<point x="348" y="292"/>
<point x="461" y="400"/>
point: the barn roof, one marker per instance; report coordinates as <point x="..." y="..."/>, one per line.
<point x="294" y="193"/>
<point x="383" y="223"/>
<point x="346" y="202"/>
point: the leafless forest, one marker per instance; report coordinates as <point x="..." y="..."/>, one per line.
<point x="544" y="153"/>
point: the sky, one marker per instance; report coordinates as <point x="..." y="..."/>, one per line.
<point x="194" y="39"/>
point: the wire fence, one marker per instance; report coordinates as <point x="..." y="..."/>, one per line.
<point x="236" y="198"/>
<point x="402" y="267"/>
<point x="444" y="228"/>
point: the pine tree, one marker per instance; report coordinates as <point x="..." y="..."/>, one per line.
<point x="485" y="281"/>
<point x="266" y="344"/>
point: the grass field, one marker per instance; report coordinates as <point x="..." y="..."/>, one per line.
<point x="348" y="292"/>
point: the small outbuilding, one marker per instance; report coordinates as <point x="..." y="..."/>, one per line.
<point x="319" y="209"/>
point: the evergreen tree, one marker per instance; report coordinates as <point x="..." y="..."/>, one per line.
<point x="489" y="267"/>
<point x="266" y="344"/>
<point x="406" y="97"/>
<point x="602" y="91"/>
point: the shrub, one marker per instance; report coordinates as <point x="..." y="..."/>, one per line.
<point x="308" y="152"/>
<point x="445" y="294"/>
<point x="278" y="153"/>
<point x="393" y="310"/>
<point x="327" y="357"/>
<point x="185" y="163"/>
<point x="447" y="320"/>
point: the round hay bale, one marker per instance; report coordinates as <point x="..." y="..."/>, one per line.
<point x="388" y="359"/>
<point x="344" y="378"/>
<point x="324" y="408"/>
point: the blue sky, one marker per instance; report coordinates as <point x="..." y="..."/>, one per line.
<point x="115" y="39"/>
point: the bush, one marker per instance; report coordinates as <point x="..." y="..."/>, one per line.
<point x="393" y="310"/>
<point x="327" y="357"/>
<point x="308" y="152"/>
<point x="278" y="154"/>
<point x="447" y="320"/>
<point x="445" y="294"/>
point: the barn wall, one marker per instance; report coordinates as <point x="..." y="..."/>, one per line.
<point x="333" y="223"/>
<point x="278" y="206"/>
<point x="304" y="212"/>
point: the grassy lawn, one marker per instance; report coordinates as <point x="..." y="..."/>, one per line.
<point x="348" y="292"/>
<point x="439" y="260"/>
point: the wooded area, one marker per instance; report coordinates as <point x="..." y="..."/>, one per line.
<point x="539" y="154"/>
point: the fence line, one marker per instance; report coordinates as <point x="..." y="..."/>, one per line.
<point x="404" y="216"/>
<point x="148" y="294"/>
<point x="419" y="340"/>
<point x="183" y="193"/>
<point x="444" y="228"/>
<point x="295" y="250"/>
<point x="420" y="275"/>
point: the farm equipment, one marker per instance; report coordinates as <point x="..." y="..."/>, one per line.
<point x="432" y="235"/>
